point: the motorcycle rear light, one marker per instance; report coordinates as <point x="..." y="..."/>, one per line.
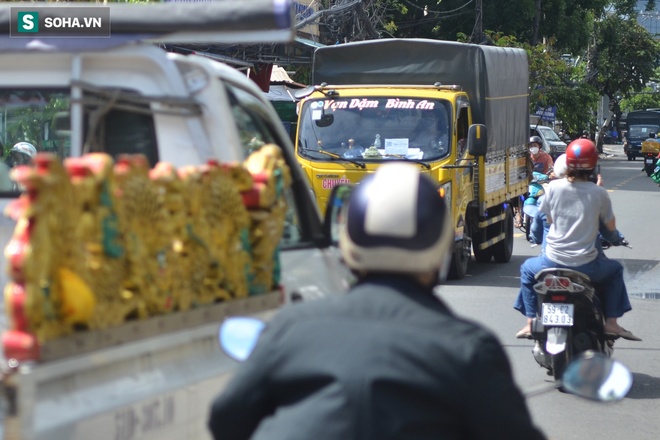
<point x="558" y="297"/>
<point x="557" y="282"/>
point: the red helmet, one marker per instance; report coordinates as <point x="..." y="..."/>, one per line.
<point x="581" y="154"/>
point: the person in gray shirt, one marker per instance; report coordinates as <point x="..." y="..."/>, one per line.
<point x="575" y="208"/>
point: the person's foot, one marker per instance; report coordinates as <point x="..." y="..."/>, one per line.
<point x="620" y="332"/>
<point x="524" y="333"/>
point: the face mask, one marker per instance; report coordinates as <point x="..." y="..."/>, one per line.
<point x="534" y="150"/>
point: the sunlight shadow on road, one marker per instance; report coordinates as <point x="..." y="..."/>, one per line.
<point x="644" y="387"/>
<point x="507" y="274"/>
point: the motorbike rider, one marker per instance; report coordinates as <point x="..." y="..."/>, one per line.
<point x="388" y="360"/>
<point x="575" y="208"/>
<point x="652" y="138"/>
<point x="541" y="161"/>
<point x="21" y="153"/>
<point x="539" y="226"/>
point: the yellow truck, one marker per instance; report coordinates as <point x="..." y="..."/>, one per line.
<point x="459" y="111"/>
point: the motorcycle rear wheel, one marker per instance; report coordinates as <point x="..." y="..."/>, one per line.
<point x="558" y="363"/>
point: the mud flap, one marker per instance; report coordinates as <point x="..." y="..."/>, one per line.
<point x="556" y="342"/>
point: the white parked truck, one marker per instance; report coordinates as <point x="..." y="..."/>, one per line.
<point x="103" y="337"/>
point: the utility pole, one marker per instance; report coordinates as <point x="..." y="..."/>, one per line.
<point x="478" y="33"/>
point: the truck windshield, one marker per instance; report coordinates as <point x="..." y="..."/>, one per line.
<point x="548" y="133"/>
<point x="641" y="131"/>
<point x="31" y="115"/>
<point x="30" y="122"/>
<point x="375" y="128"/>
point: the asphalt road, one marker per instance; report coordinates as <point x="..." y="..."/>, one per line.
<point x="487" y="294"/>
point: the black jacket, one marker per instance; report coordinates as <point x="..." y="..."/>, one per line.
<point x="387" y="361"/>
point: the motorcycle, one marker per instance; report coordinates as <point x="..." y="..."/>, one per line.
<point x="590" y="375"/>
<point x="570" y="319"/>
<point x="650" y="150"/>
<point x="649" y="163"/>
<point x="530" y="201"/>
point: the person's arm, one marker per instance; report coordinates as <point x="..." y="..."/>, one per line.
<point x="549" y="163"/>
<point x="238" y="410"/>
<point x="494" y="406"/>
<point x="606" y="213"/>
<point x="610" y="225"/>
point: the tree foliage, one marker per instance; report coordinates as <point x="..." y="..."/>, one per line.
<point x="623" y="58"/>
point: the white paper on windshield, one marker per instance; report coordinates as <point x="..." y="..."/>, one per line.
<point x="396" y="146"/>
<point x="317" y="114"/>
<point x="412" y="153"/>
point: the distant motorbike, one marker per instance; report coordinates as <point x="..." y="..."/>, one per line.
<point x="570" y="318"/>
<point x="650" y="150"/>
<point x="531" y="200"/>
<point x="649" y="163"/>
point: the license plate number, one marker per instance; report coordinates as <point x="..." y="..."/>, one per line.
<point x="557" y="314"/>
<point x="648" y="160"/>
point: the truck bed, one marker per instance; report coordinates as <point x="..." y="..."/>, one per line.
<point x="148" y="379"/>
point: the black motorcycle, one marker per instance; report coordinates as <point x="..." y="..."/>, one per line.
<point x="570" y="318"/>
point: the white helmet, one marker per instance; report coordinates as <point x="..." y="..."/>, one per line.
<point x="25" y="148"/>
<point x="559" y="168"/>
<point x="397" y="222"/>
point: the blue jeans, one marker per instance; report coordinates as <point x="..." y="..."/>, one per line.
<point x="603" y="271"/>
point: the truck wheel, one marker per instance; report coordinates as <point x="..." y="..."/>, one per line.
<point x="503" y="250"/>
<point x="459" y="260"/>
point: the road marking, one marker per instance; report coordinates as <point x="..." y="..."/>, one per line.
<point x="625" y="182"/>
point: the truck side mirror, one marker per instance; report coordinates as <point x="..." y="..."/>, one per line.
<point x="61" y="123"/>
<point x="477" y="141"/>
<point x="238" y="335"/>
<point x="335" y="212"/>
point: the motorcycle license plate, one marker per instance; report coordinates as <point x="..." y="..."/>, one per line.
<point x="648" y="160"/>
<point x="557" y="314"/>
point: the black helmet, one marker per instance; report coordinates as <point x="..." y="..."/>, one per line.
<point x="536" y="139"/>
<point x="397" y="222"/>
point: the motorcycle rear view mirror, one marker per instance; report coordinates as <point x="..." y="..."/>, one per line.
<point x="592" y="376"/>
<point x="238" y="336"/>
<point x="595" y="376"/>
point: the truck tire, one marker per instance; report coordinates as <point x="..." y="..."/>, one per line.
<point x="459" y="260"/>
<point x="480" y="256"/>
<point x="503" y="250"/>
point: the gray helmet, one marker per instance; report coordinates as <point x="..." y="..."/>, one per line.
<point x="397" y="222"/>
<point x="535" y="139"/>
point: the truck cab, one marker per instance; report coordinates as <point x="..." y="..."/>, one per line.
<point x="639" y="125"/>
<point x="347" y="132"/>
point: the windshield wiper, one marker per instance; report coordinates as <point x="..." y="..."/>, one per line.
<point x="338" y="157"/>
<point x="407" y="159"/>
